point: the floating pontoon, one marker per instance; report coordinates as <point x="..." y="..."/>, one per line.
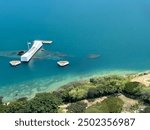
<point x="15" y="62"/>
<point x="63" y="63"/>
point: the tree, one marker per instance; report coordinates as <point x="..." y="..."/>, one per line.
<point x="107" y="85"/>
<point x="2" y="108"/>
<point x="1" y="100"/>
<point x="43" y="103"/>
<point x="16" y="106"/>
<point x="93" y="93"/>
<point x="133" y="88"/>
<point x="78" y="107"/>
<point x="64" y="95"/>
<point x="145" y="96"/>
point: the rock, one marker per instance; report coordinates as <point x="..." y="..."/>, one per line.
<point x="93" y="56"/>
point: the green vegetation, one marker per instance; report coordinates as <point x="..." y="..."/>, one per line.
<point x="96" y="87"/>
<point x="41" y="103"/>
<point x="145" y="96"/>
<point x="78" y="107"/>
<point x="138" y="91"/>
<point x="16" y="107"/>
<point x="1" y="100"/>
<point x="2" y="107"/>
<point x="106" y="86"/>
<point x="109" y="105"/>
<point x="134" y="107"/>
<point x="93" y="92"/>
<point x="146" y="110"/>
<point x="133" y="88"/>
<point x="75" y="92"/>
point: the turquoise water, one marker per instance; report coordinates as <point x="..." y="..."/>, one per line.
<point x="118" y="30"/>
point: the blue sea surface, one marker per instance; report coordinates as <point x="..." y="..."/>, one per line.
<point x="117" y="30"/>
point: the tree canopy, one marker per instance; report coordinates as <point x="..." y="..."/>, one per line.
<point x="41" y="103"/>
<point x="78" y="107"/>
<point x="133" y="88"/>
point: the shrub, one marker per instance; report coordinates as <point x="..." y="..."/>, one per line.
<point x="145" y="96"/>
<point x="92" y="93"/>
<point x="43" y="103"/>
<point x="77" y="94"/>
<point x="74" y="94"/>
<point x="109" y="105"/>
<point x="1" y="100"/>
<point x="63" y="94"/>
<point x="78" y="107"/>
<point x="2" y="108"/>
<point x="22" y="99"/>
<point x="15" y="107"/>
<point x="146" y="110"/>
<point x="133" y="88"/>
<point x="106" y="86"/>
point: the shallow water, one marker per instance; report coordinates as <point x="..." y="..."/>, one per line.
<point x="116" y="30"/>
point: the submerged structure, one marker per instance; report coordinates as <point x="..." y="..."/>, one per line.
<point x="37" y="44"/>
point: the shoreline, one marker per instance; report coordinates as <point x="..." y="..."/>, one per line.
<point x="48" y="85"/>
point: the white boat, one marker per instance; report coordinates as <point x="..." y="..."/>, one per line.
<point x="63" y="63"/>
<point x="15" y="62"/>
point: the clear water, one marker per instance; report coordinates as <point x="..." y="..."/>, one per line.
<point x="118" y="30"/>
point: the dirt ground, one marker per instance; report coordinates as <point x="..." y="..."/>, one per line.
<point x="89" y="103"/>
<point x="128" y="103"/>
<point x="144" y="79"/>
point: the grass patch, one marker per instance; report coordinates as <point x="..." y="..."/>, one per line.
<point x="109" y="105"/>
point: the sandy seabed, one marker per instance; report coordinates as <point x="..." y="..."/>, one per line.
<point x="47" y="84"/>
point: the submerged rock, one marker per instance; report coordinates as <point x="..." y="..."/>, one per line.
<point x="93" y="56"/>
<point x="41" y="54"/>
